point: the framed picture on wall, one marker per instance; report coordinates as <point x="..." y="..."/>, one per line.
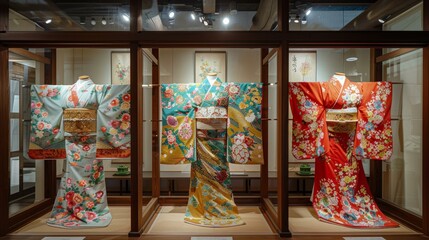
<point x="302" y="66"/>
<point x="210" y="62"/>
<point x="120" y="65"/>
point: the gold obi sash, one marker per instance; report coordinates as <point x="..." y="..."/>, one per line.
<point x="341" y="120"/>
<point x="80" y="120"/>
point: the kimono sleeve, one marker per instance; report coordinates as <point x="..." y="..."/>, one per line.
<point x="113" y="121"/>
<point x="178" y="123"/>
<point x="374" y="131"/>
<point x="46" y="132"/>
<point x="309" y="131"/>
<point x="244" y="136"/>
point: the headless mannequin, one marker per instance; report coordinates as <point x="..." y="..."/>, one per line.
<point x="84" y="77"/>
<point x="341" y="77"/>
<point x="211" y="77"/>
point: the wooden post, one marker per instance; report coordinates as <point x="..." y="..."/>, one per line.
<point x="264" y="81"/>
<point x="4" y="15"/>
<point x="136" y="79"/>
<point x="282" y="140"/>
<point x="156" y="174"/>
<point x="4" y="135"/>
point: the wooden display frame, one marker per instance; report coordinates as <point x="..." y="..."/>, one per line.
<point x="135" y="40"/>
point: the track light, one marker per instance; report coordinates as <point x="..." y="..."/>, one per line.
<point x="49" y="20"/>
<point x="82" y="20"/>
<point x="193" y="16"/>
<point x="384" y="19"/>
<point x="93" y="22"/>
<point x="103" y="21"/>
<point x="308" y="11"/>
<point x="304" y="20"/>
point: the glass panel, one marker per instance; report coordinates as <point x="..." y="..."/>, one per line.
<point x="149" y="137"/>
<point x="272" y="130"/>
<point x="25" y="190"/>
<point x="220" y="15"/>
<point x="402" y="174"/>
<point x="14" y="96"/>
<point x="383" y="15"/>
<point x="69" y="15"/>
<point x="14" y="135"/>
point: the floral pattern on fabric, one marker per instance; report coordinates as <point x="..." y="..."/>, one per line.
<point x="341" y="193"/>
<point x="81" y="199"/>
<point x="239" y="102"/>
<point x="231" y="112"/>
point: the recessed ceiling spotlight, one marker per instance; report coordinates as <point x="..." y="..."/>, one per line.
<point x="93" y="22"/>
<point x="126" y="17"/>
<point x="49" y="20"/>
<point x="103" y="21"/>
<point x="351" y="59"/>
<point x="225" y="20"/>
<point x="82" y="20"/>
<point x="206" y="23"/>
<point x="384" y="19"/>
<point x="308" y="11"/>
<point x="304" y="20"/>
<point x="171" y="14"/>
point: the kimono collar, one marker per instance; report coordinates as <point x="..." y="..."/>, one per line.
<point x="337" y="88"/>
<point x="216" y="82"/>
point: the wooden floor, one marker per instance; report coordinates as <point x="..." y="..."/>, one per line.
<point x="240" y="237"/>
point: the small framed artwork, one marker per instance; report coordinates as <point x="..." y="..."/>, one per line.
<point x="210" y="62"/>
<point x="302" y="66"/>
<point x="120" y="64"/>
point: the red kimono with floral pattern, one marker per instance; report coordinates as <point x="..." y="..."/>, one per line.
<point x="362" y="130"/>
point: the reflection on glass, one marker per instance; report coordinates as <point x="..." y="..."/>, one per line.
<point x="402" y="174"/>
<point x="14" y="135"/>
<point x="354" y="16"/>
<point x="69" y="15"/>
<point x="149" y="136"/>
<point x="14" y="96"/>
<point x="14" y="175"/>
<point x="272" y="131"/>
<point x="225" y="15"/>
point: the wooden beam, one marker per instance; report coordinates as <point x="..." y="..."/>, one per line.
<point x="425" y="143"/>
<point x="28" y="215"/>
<point x="150" y="55"/>
<point x="269" y="208"/>
<point x="268" y="57"/>
<point x="30" y="55"/>
<point x="136" y="78"/>
<point x="4" y="135"/>
<point x="282" y="140"/>
<point x="156" y="172"/>
<point x="394" y="54"/>
<point x="264" y="81"/>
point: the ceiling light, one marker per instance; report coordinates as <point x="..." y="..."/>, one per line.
<point x="381" y="20"/>
<point x="290" y="19"/>
<point x="126" y="17"/>
<point x="171" y="14"/>
<point x="308" y="12"/>
<point x="296" y="19"/>
<point x="304" y="20"/>
<point x="103" y="21"/>
<point x="93" y="22"/>
<point x="82" y="20"/>
<point x="193" y="16"/>
<point x="201" y="19"/>
<point x="225" y="20"/>
<point x="111" y="21"/>
<point x="49" y="20"/>
<point x="352" y="59"/>
<point x="206" y="23"/>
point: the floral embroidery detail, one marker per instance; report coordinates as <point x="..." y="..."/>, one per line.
<point x="352" y="96"/>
